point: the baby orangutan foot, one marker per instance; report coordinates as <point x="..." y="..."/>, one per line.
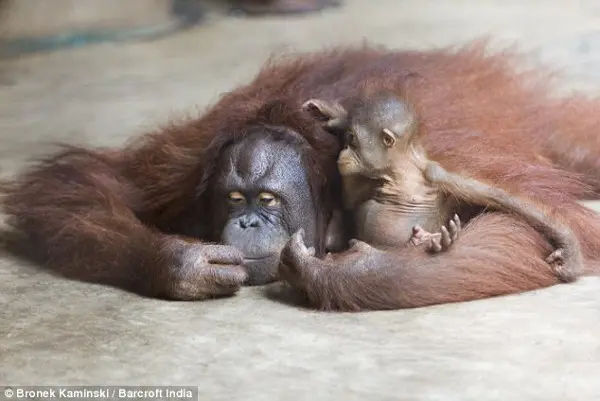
<point x="437" y="242"/>
<point x="558" y="261"/>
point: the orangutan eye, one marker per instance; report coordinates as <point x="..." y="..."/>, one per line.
<point x="388" y="138"/>
<point x="268" y="199"/>
<point x="236" y="197"/>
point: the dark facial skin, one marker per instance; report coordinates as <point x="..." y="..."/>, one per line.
<point x="262" y="196"/>
<point x="378" y="129"/>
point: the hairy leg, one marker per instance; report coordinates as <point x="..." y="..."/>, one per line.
<point x="498" y="254"/>
<point x="80" y="213"/>
<point x="568" y="261"/>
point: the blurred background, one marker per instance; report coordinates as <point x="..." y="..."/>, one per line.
<point x="99" y="71"/>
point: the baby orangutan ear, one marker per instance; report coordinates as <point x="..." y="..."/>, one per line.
<point x="388" y="137"/>
<point x="333" y="113"/>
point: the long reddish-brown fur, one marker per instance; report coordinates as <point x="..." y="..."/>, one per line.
<point x="369" y="279"/>
<point x="106" y="215"/>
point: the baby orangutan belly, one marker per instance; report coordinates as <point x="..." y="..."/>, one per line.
<point x="390" y="225"/>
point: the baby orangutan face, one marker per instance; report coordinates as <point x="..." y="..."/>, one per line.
<point x="375" y="130"/>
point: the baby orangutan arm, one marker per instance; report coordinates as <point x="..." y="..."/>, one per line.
<point x="567" y="259"/>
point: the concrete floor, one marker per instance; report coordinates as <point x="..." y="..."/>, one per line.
<point x="542" y="345"/>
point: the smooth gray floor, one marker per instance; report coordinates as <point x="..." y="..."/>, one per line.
<point x="542" y="345"/>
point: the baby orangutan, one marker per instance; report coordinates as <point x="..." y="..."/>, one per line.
<point x="398" y="196"/>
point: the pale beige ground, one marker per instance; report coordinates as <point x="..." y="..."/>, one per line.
<point x="537" y="346"/>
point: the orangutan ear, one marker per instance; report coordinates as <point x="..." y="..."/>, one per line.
<point x="333" y="113"/>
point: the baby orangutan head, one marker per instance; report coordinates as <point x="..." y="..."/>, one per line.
<point x="376" y="129"/>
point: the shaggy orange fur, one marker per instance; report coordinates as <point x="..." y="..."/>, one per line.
<point x="109" y="215"/>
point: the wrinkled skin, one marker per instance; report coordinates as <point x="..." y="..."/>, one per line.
<point x="261" y="197"/>
<point x="203" y="271"/>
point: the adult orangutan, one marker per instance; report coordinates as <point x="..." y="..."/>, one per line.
<point x="147" y="217"/>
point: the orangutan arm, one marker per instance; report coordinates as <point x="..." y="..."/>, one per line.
<point x="78" y="211"/>
<point x="497" y="255"/>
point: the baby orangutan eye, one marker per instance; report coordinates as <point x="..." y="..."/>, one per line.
<point x="388" y="138"/>
<point x="236" y="197"/>
<point x="268" y="199"/>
